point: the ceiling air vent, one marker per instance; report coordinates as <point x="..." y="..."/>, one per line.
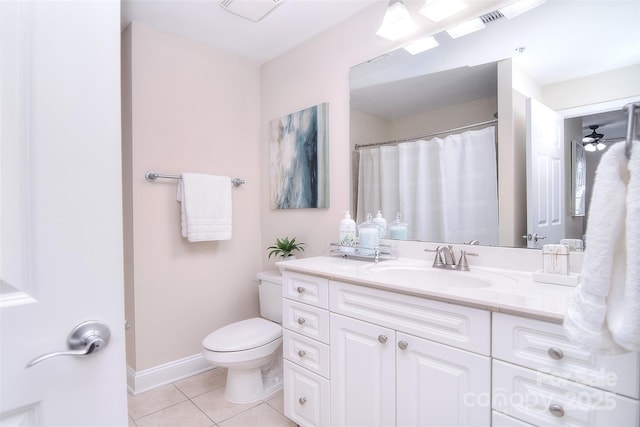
<point x="253" y="10"/>
<point x="491" y="16"/>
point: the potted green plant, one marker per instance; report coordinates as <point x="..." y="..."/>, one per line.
<point x="284" y="247"/>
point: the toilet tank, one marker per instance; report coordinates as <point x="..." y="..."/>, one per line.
<point x="270" y="293"/>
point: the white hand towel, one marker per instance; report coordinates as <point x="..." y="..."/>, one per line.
<point x="602" y="276"/>
<point x="626" y="325"/>
<point x="205" y="207"/>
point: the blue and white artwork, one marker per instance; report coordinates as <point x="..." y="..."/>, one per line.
<point x="299" y="147"/>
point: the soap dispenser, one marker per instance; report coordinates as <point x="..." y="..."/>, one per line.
<point x="369" y="236"/>
<point x="382" y="225"/>
<point x="347" y="234"/>
<point x="399" y="230"/>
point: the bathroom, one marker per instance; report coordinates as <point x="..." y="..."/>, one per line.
<point x="204" y="110"/>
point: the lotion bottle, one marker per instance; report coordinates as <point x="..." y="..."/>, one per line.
<point x="382" y="225"/>
<point x="369" y="236"/>
<point x="347" y="234"/>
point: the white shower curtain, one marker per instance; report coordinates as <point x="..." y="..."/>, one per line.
<point x="445" y="188"/>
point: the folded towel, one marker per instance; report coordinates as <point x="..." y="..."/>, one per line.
<point x="597" y="295"/>
<point x="626" y="327"/>
<point x="206" y="207"/>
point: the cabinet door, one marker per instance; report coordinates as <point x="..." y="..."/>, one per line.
<point x="362" y="373"/>
<point x="439" y="385"/>
<point x="306" y="396"/>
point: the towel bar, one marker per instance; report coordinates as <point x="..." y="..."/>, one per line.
<point x="631" y="126"/>
<point x="152" y="176"/>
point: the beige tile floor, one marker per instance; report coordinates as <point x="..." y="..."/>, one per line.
<point x="198" y="401"/>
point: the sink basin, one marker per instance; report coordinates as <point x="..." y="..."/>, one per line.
<point x="419" y="273"/>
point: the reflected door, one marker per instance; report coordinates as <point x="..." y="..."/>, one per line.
<point x="61" y="212"/>
<point x="545" y="175"/>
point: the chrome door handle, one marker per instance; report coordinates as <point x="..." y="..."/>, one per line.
<point x="86" y="338"/>
<point x="535" y="237"/>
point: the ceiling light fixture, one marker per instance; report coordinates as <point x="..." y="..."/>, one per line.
<point x="421" y="45"/>
<point x="437" y="10"/>
<point x="519" y="7"/>
<point x="593" y="141"/>
<point x="466" y="28"/>
<point x="397" y="22"/>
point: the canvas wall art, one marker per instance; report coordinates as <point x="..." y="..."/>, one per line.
<point x="299" y="155"/>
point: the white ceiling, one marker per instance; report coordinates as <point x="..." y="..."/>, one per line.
<point x="598" y="35"/>
<point x="287" y="26"/>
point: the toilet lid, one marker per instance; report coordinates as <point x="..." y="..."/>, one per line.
<point x="243" y="335"/>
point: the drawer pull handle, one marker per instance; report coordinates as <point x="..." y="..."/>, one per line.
<point x="403" y="345"/>
<point x="556" y="410"/>
<point x="382" y="339"/>
<point x="301" y="353"/>
<point x="302" y="400"/>
<point x="300" y="320"/>
<point x="300" y="289"/>
<point x="555" y="353"/>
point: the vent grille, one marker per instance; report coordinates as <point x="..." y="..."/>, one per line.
<point x="253" y="10"/>
<point x="491" y="16"/>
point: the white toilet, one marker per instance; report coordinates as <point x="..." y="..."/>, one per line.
<point x="251" y="349"/>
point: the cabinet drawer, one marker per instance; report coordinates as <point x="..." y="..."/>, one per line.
<point x="542" y="399"/>
<point x="463" y="327"/>
<point x="306" y="396"/>
<point x="498" y="419"/>
<point x="304" y="288"/>
<point x="543" y="346"/>
<point x="306" y="352"/>
<point x="304" y="319"/>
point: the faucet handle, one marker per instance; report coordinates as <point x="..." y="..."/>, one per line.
<point x="463" y="265"/>
<point x="437" y="260"/>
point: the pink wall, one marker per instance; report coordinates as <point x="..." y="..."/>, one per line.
<point x="191" y="109"/>
<point x="315" y="72"/>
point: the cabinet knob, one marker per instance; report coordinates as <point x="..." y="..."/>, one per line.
<point x="555" y="353"/>
<point x="301" y="320"/>
<point x="301" y="353"/>
<point x="403" y="345"/>
<point x="300" y="289"/>
<point x="556" y="410"/>
<point x="382" y="339"/>
<point x="302" y="400"/>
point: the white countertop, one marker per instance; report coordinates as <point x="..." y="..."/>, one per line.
<point x="490" y="288"/>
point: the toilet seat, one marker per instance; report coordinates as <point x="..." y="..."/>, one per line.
<point x="243" y="335"/>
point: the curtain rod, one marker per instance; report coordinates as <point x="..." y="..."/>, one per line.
<point x="399" y="141"/>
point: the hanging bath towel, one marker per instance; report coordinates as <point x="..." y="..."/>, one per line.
<point x="598" y="297"/>
<point x="205" y="207"/>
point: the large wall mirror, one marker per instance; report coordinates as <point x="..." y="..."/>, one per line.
<point x="445" y="136"/>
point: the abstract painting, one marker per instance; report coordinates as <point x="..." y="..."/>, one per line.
<point x="299" y="170"/>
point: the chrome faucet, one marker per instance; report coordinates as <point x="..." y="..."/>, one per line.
<point x="446" y="259"/>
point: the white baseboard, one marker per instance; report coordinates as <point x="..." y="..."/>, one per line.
<point x="147" y="379"/>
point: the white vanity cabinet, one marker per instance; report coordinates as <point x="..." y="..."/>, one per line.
<point x="382" y="375"/>
<point x="305" y="347"/>
<point x="541" y="378"/>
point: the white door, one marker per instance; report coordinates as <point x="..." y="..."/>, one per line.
<point x="60" y="212"/>
<point x="438" y="385"/>
<point x="545" y="175"/>
<point x="362" y="373"/>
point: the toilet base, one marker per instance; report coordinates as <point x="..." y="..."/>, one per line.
<point x="248" y="385"/>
